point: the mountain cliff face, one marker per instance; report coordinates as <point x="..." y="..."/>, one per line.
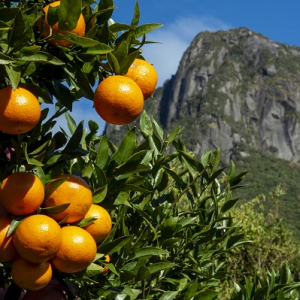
<point x="235" y="89"/>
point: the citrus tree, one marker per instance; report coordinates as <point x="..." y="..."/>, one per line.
<point x="80" y="217"/>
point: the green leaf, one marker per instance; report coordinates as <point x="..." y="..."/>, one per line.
<point x="143" y="273"/>
<point x="159" y="130"/>
<point x="17" y="29"/>
<point x="98" y="49"/>
<point x="191" y="291"/>
<point x="127" y="62"/>
<point x="146" y="124"/>
<point x="87" y="171"/>
<point x="53" y="185"/>
<point x="206" y="295"/>
<point x="86" y="221"/>
<point x="228" y="205"/>
<point x="53" y="15"/>
<point x="102" y="181"/>
<point x="122" y="198"/>
<point x="149" y="251"/>
<point x="4" y="26"/>
<point x="71" y="123"/>
<point x="168" y="295"/>
<point x="14" y="224"/>
<point x="14" y="75"/>
<point x="79" y="80"/>
<point x="102" y="153"/>
<point x="78" y="40"/>
<point x="43" y="57"/>
<point x="116" y="27"/>
<point x="100" y="194"/>
<point x="160" y="266"/>
<point x="115" y="245"/>
<point x="126" y="148"/>
<point x="121" y="52"/>
<point x="5" y="59"/>
<point x="113" y="63"/>
<point x="69" y="12"/>
<point x="136" y="15"/>
<point x="146" y="28"/>
<point x="29" y="160"/>
<point x="93" y="270"/>
<point x="75" y="140"/>
<point x="56" y="209"/>
<point x="169" y="227"/>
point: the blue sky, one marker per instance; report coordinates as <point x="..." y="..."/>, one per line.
<point x="183" y="19"/>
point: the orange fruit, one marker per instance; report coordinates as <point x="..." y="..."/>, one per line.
<point x="118" y="100"/>
<point x="75" y="191"/>
<point x="107" y="259"/>
<point x="21" y="193"/>
<point x="20" y="110"/>
<point x="77" y="251"/>
<point x="52" y="291"/>
<point x="31" y="276"/>
<point x="145" y="75"/>
<point x="78" y="30"/>
<point x="101" y="227"/>
<point x="37" y="238"/>
<point x="7" y="249"/>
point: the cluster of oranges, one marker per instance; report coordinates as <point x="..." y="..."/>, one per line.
<point x="43" y="241"/>
<point x="118" y="99"/>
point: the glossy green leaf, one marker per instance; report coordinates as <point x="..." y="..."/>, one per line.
<point x="160" y="266"/>
<point x="53" y="185"/>
<point x="5" y="59"/>
<point x="43" y="57"/>
<point x="149" y="251"/>
<point x="69" y="12"/>
<point x="98" y="49"/>
<point x="14" y="75"/>
<point x="126" y="147"/>
<point x="146" y="28"/>
<point x="75" y="139"/>
<point x="115" y="245"/>
<point x="146" y="124"/>
<point x="14" y="224"/>
<point x="136" y="14"/>
<point x="56" y="209"/>
<point x="100" y="194"/>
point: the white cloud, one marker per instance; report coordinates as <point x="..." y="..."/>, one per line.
<point x="175" y="38"/>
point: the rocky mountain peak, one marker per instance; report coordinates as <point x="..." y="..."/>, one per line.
<point x="236" y="89"/>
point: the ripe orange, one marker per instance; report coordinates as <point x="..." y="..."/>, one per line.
<point x="118" y="100"/>
<point x="77" y="251"/>
<point x="21" y="193"/>
<point x="145" y="75"/>
<point x="52" y="291"/>
<point x="79" y="29"/>
<point x="75" y="191"/>
<point x="19" y="110"/>
<point x="31" y="276"/>
<point x="7" y="249"/>
<point x="38" y="238"/>
<point x="107" y="259"/>
<point x="101" y="227"/>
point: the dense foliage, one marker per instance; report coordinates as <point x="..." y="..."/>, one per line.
<point x="157" y="249"/>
